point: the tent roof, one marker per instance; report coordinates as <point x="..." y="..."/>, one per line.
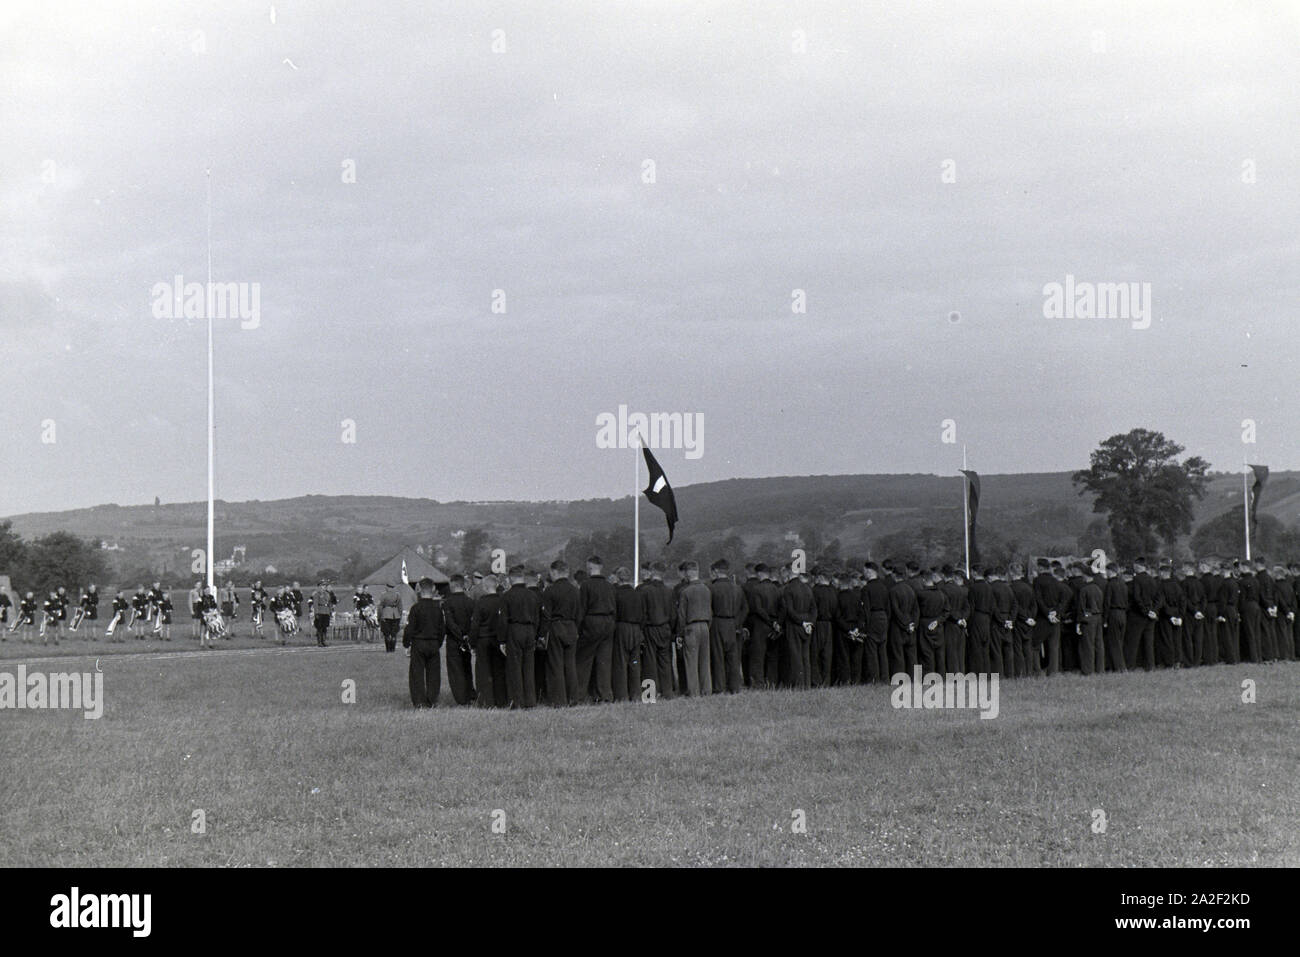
<point x="417" y="567"/>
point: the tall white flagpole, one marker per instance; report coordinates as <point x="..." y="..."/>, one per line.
<point x="636" y="514"/>
<point x="1245" y="499"/>
<point x="207" y="293"/>
<point x="965" y="508"/>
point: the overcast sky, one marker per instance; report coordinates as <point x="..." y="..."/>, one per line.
<point x="796" y="146"/>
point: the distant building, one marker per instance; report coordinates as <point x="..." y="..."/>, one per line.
<point x="270" y="570"/>
<point x="104" y="546"/>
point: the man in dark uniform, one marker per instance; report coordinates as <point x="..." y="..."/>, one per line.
<point x="1169" y="628"/>
<point x="1286" y="601"/>
<point x="458" y="617"/>
<point x="729" y="611"/>
<point x="520" y="616"/>
<point x="979" y="635"/>
<point x="875" y="638"/>
<point x="1027" y="660"/>
<point x="955" y="620"/>
<point x="1268" y="618"/>
<point x="657" y="631"/>
<point x="1088" y="625"/>
<point x="1230" y="616"/>
<point x="1194" y="602"/>
<point x="850" y="624"/>
<point x="1002" y="643"/>
<point x="1144" y="612"/>
<point x="822" y="643"/>
<point x="560" y="613"/>
<point x="933" y="608"/>
<point x="904" y="614"/>
<point x="759" y="624"/>
<point x="595" y="634"/>
<point x="1047" y="634"/>
<point x="423" y="635"/>
<point x="1210" y="638"/>
<point x="534" y="579"/>
<point x="322" y="614"/>
<point x="798" y="616"/>
<point x="1114" y="613"/>
<point x="679" y="631"/>
<point x="629" y="616"/>
<point x="487" y="635"/>
<point x="1251" y="615"/>
<point x="1074" y="580"/>
<point x="773" y="662"/>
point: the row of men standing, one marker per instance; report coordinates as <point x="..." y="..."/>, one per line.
<point x="603" y="639"/>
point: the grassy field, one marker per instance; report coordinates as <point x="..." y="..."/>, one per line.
<point x="287" y="774"/>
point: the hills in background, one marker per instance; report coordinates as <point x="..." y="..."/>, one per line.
<point x="1041" y="512"/>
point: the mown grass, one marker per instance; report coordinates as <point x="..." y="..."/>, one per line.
<point x="288" y="774"/>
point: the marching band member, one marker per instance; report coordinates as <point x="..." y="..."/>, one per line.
<point x="296" y="593"/>
<point x="27" y="616"/>
<point x="155" y="596"/>
<point x="196" y="610"/>
<point x="165" y="616"/>
<point x="258" y="601"/>
<point x="5" y="605"/>
<point x="61" y="621"/>
<point x="321" y="602"/>
<point x="229" y="602"/>
<point x="89" y="604"/>
<point x="208" y="603"/>
<point x="50" y="618"/>
<point x="139" y="611"/>
<point x="121" y="608"/>
<point x="361" y="600"/>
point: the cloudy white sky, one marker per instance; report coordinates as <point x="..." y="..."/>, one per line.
<point x="1111" y="141"/>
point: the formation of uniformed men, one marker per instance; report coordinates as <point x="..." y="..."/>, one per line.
<point x="600" y="639"/>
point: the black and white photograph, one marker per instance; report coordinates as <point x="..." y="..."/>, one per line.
<point x="650" y="435"/>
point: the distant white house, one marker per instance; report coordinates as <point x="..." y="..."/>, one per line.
<point x="270" y="570"/>
<point x="104" y="546"/>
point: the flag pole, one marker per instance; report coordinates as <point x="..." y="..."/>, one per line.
<point x="636" y="514"/>
<point x="965" y="508"/>
<point x="207" y="292"/>
<point x="1245" y="500"/>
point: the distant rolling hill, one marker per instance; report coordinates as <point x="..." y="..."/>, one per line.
<point x="1039" y="510"/>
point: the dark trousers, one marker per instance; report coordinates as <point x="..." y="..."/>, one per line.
<point x="1193" y="640"/>
<point x="1250" y="632"/>
<point x="1116" y="624"/>
<point x="929" y="646"/>
<point x="424" y="676"/>
<point x="388" y="628"/>
<point x="1168" y="640"/>
<point x="322" y="623"/>
<point x="1210" y="642"/>
<point x="1026" y="653"/>
<point x="1069" y="646"/>
<point x="1004" y="639"/>
<point x="595" y="659"/>
<point x="490" y="673"/>
<point x="521" y="643"/>
<point x="755" y="653"/>
<point x="978" y="639"/>
<point x="717" y="664"/>
<point x="460" y="672"/>
<point x="657" y="658"/>
<point x="846" y="668"/>
<point x="1140" y="642"/>
<point x="902" y="648"/>
<point x="1230" y="637"/>
<point x="723" y="637"/>
<point x="1048" y="637"/>
<point x="875" y="660"/>
<point x="1267" y="636"/>
<point x="820" y="651"/>
<point x="954" y="648"/>
<point x="1091" y="649"/>
<point x="795" y="651"/>
<point x="626" y="661"/>
<point x="562" y="664"/>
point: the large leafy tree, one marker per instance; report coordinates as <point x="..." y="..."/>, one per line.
<point x="13" y="556"/>
<point x="62" y="558"/>
<point x="1142" y="488"/>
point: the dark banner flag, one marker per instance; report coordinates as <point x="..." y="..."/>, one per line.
<point x="660" y="493"/>
<point x="973" y="500"/>
<point x="1261" y="476"/>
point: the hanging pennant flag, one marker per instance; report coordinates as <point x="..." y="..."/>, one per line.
<point x="405" y="580"/>
<point x="1261" y="476"/>
<point x="659" y="492"/>
<point x="973" y="505"/>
